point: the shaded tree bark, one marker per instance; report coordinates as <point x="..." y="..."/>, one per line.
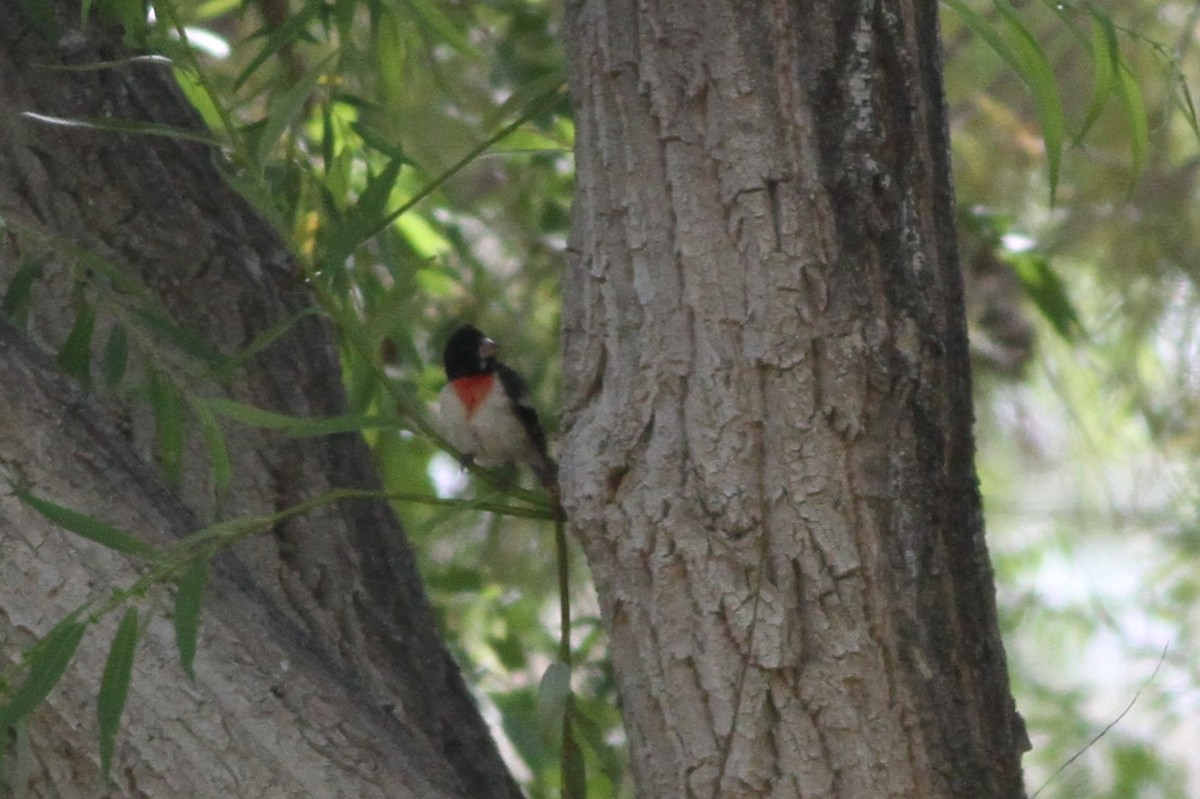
<point x="328" y="608"/>
<point x="769" y="456"/>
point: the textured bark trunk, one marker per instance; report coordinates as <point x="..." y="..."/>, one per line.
<point x="269" y="714"/>
<point x="768" y="454"/>
<point x="341" y="583"/>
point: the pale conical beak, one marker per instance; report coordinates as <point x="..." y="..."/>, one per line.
<point x="488" y="348"/>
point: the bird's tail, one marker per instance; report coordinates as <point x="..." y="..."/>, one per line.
<point x="546" y="471"/>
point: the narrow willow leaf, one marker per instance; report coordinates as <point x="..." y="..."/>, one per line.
<point x="100" y="66"/>
<point x="1135" y="113"/>
<point x="288" y="105"/>
<point x="169" y="426"/>
<point x="189" y="601"/>
<point x="1106" y="56"/>
<point x="125" y="126"/>
<point x="289" y="31"/>
<point x="1029" y="62"/>
<point x="186" y="341"/>
<point x="1034" y="68"/>
<point x="983" y="29"/>
<point x="380" y="141"/>
<point x="214" y="8"/>
<point x="86" y="526"/>
<point x="1188" y="106"/>
<point x="200" y="98"/>
<point x="116" y="356"/>
<point x="250" y="415"/>
<point x="333" y="425"/>
<point x="114" y="686"/>
<point x="328" y="137"/>
<point x="49" y="659"/>
<point x="218" y="451"/>
<point x="16" y="298"/>
<point x="75" y="356"/>
<point x="523" y="96"/>
<point x="365" y="218"/>
<point x="553" y="694"/>
<point x="443" y="30"/>
<point x="373" y="201"/>
<point x="392" y="49"/>
<point x="1049" y="293"/>
<point x="271" y="335"/>
<point x="294" y="425"/>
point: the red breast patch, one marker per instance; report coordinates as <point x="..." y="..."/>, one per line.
<point x="472" y="391"/>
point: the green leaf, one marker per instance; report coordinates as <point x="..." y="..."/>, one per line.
<point x="75" y="356"/>
<point x="86" y="526"/>
<point x="1106" y="57"/>
<point x="189" y="601"/>
<point x="49" y="659"/>
<point x="553" y="693"/>
<point x="1032" y="65"/>
<point x="423" y="237"/>
<point x="126" y="126"/>
<point x="380" y="141"/>
<point x="271" y="335"/>
<point x="294" y="425"/>
<point x="288" y="106"/>
<point x="364" y="219"/>
<point x="1026" y="58"/>
<point x="531" y="141"/>
<point x="106" y="64"/>
<point x="1188" y="106"/>
<point x="187" y="342"/>
<point x="169" y="426"/>
<point x="20" y="289"/>
<point x="248" y="414"/>
<point x="332" y="425"/>
<point x="116" y="356"/>
<point x="1048" y="292"/>
<point x="291" y="30"/>
<point x="200" y="98"/>
<point x="218" y="452"/>
<point x="1135" y="112"/>
<point x="114" y="686"/>
<point x="442" y="29"/>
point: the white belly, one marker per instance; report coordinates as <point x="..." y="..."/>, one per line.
<point x="494" y="434"/>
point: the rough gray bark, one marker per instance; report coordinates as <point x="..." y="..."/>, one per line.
<point x="768" y="453"/>
<point x="268" y="714"/>
<point x="343" y="580"/>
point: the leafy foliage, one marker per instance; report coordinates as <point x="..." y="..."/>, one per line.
<point x="1086" y="461"/>
<point x="114" y="685"/>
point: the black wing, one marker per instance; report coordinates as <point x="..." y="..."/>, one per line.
<point x="518" y="390"/>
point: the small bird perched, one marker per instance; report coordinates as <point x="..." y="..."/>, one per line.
<point x="485" y="409"/>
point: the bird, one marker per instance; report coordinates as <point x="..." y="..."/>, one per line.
<point x="486" y="412"/>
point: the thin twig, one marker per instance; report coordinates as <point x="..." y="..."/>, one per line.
<point x="1110" y="725"/>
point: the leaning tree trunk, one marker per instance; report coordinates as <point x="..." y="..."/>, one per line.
<point x="324" y="672"/>
<point x="769" y="455"/>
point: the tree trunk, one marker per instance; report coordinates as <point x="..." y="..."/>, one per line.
<point x="768" y="454"/>
<point x="327" y="610"/>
